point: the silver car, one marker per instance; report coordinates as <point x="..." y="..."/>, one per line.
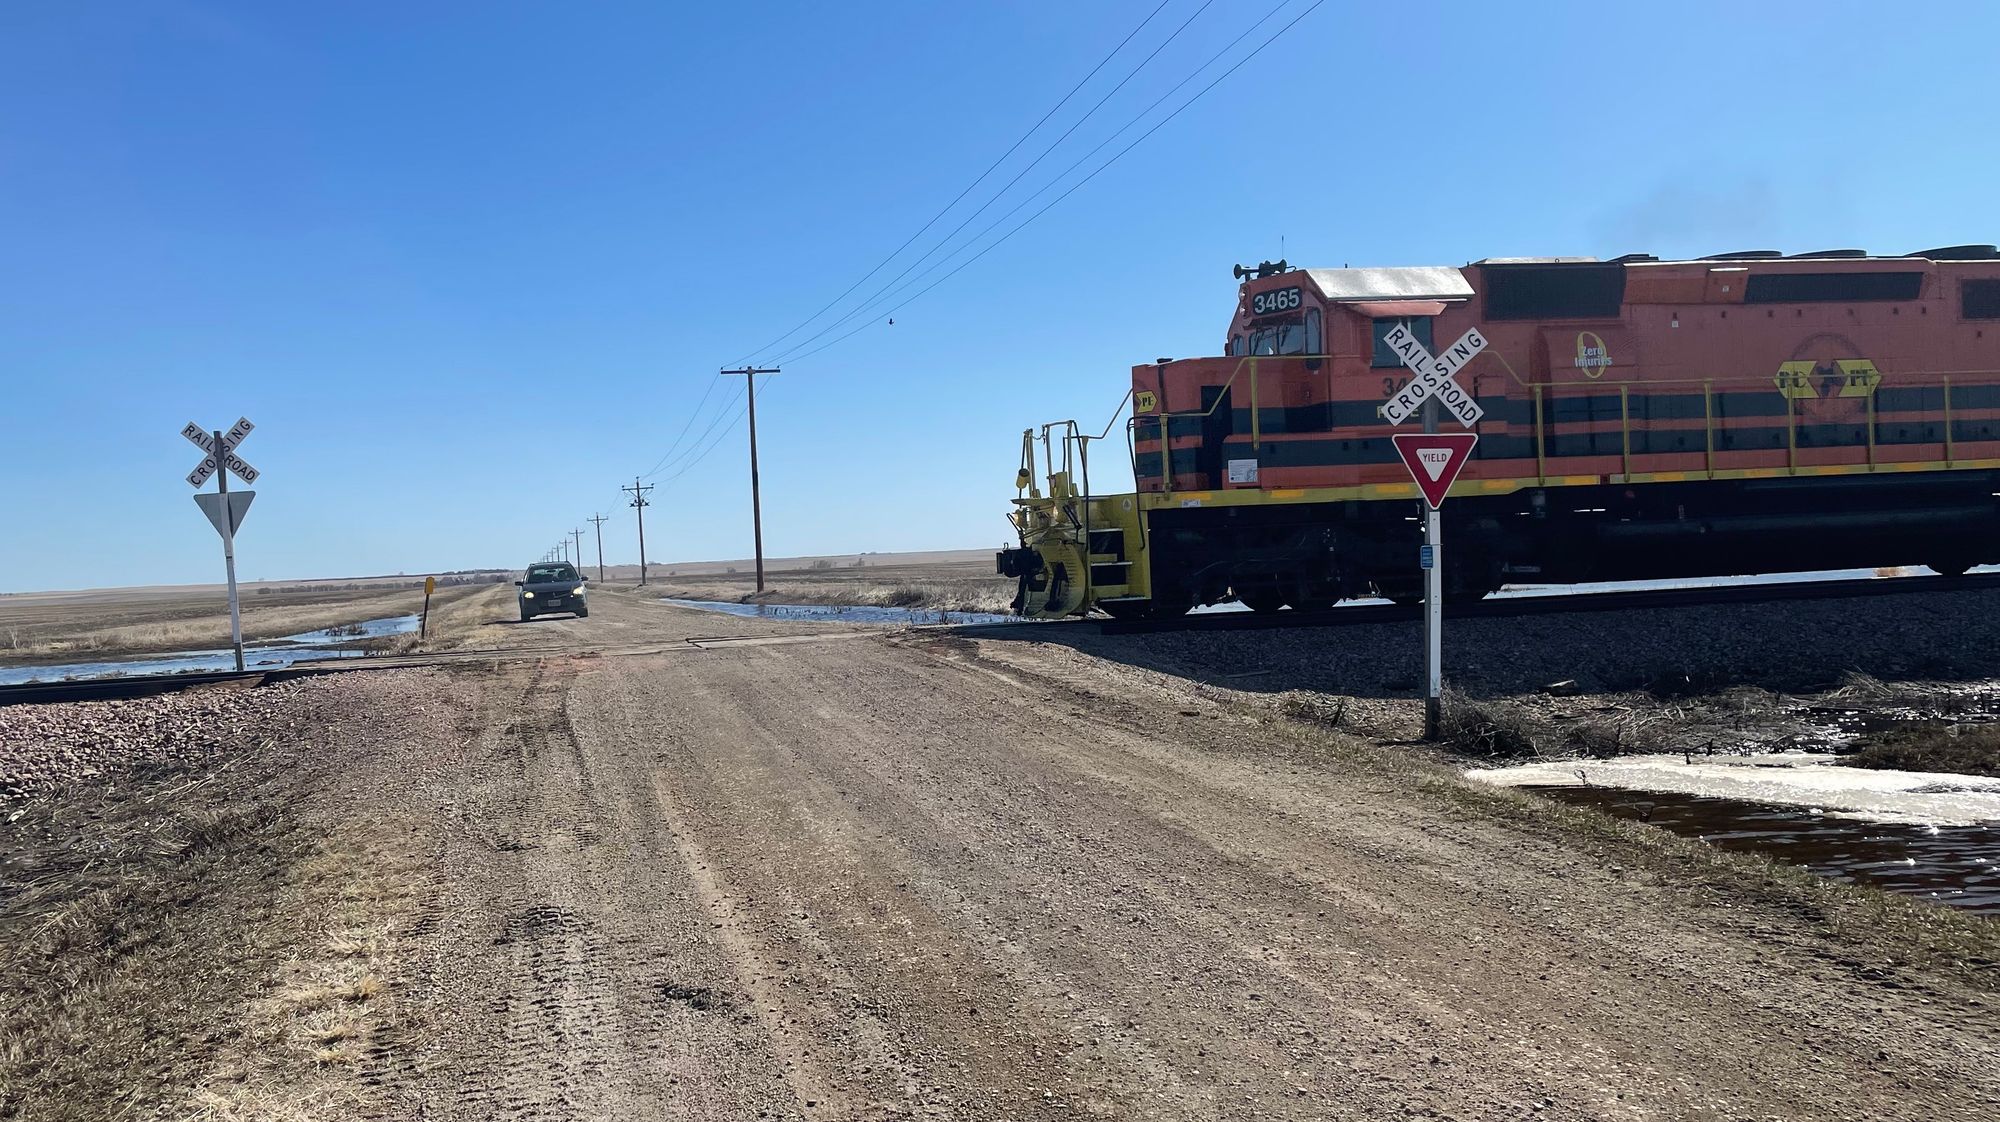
<point x="552" y="587"/>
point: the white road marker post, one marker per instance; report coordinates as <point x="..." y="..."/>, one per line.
<point x="225" y="511"/>
<point x="229" y="561"/>
<point x="1430" y="557"/>
<point x="1434" y="460"/>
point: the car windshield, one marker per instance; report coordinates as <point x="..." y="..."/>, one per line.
<point x="541" y="574"/>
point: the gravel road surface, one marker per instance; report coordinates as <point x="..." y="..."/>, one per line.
<point x="808" y="872"/>
<point x="917" y="876"/>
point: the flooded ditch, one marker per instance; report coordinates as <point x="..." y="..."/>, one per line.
<point x="267" y="654"/>
<point x="840" y="613"/>
<point x="1957" y="865"/>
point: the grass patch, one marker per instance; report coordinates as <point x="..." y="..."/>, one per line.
<point x="1960" y="749"/>
<point x="1487" y="732"/>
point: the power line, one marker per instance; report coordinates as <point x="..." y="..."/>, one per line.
<point x="692" y="414"/>
<point x="1018" y="176"/>
<point x="686" y="462"/>
<point x="968" y="187"/>
<point x="718" y="419"/>
<point x="795" y="358"/>
<point x="712" y="445"/>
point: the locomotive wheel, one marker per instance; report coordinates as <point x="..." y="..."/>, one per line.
<point x="1403" y="592"/>
<point x="1263" y="601"/>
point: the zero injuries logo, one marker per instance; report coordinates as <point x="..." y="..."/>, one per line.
<point x="1592" y="356"/>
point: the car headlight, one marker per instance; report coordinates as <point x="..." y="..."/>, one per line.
<point x="527" y="595"/>
<point x="580" y="590"/>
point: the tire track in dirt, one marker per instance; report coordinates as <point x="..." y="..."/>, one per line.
<point x="872" y="880"/>
<point x="560" y="986"/>
<point x="1224" y="912"/>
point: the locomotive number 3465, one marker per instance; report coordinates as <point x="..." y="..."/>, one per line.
<point x="1283" y="300"/>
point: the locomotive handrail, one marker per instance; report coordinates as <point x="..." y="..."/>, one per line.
<point x="1542" y="390"/>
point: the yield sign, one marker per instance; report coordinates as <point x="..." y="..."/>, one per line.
<point x="1435" y="459"/>
<point x="236" y="503"/>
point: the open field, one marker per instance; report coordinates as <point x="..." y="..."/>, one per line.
<point x="55" y="626"/>
<point x="962" y="582"/>
<point x="42" y="627"/>
<point x="823" y="872"/>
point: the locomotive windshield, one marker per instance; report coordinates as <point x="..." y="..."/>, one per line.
<point x="1298" y="337"/>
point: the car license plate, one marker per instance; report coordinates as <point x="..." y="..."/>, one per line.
<point x="555" y="601"/>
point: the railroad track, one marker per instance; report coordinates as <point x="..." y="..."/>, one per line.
<point x="1621" y="600"/>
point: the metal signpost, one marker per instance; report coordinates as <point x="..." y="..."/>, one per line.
<point x="224" y="509"/>
<point x="424" y="624"/>
<point x="1434" y="460"/>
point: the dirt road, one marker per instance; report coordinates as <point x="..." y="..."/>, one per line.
<point x="821" y="874"/>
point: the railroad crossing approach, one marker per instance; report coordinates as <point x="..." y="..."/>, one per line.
<point x="1434" y="460"/>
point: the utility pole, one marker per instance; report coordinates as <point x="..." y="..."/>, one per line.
<point x="756" y="506"/>
<point x="578" y="534"/>
<point x="640" y="504"/>
<point x="597" y="521"/>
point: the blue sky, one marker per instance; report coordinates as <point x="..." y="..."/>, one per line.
<point x="469" y="267"/>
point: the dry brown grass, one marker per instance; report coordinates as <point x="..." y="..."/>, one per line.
<point x="201" y="951"/>
<point x="1958" y="749"/>
<point x="959" y="586"/>
<point x="41" y="630"/>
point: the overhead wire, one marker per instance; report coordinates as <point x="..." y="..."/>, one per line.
<point x="687" y="462"/>
<point x="996" y="243"/>
<point x="709" y="389"/>
<point x="1002" y="192"/>
<point x="960" y="197"/>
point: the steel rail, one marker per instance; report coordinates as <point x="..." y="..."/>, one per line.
<point x="1576" y="602"/>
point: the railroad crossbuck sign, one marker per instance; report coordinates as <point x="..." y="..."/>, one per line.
<point x="1433" y="375"/>
<point x="229" y="460"/>
<point x="1434" y="460"/>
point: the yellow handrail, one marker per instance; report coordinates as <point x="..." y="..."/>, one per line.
<point x="1708" y="423"/>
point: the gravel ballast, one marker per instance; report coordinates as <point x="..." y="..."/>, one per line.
<point x="46" y="747"/>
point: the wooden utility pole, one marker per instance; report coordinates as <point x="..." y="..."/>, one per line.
<point x="640" y="504"/>
<point x="756" y="505"/>
<point x="578" y="555"/>
<point x="597" y="520"/>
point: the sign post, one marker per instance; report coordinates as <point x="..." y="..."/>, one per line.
<point x="224" y="510"/>
<point x="424" y="621"/>
<point x="1434" y="460"/>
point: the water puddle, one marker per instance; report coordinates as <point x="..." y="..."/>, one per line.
<point x="840" y="613"/>
<point x="1955" y="865"/>
<point x="266" y="654"/>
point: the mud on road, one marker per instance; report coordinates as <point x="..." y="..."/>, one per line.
<point x="789" y="872"/>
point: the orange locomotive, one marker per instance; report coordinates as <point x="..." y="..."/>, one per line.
<point x="1744" y="413"/>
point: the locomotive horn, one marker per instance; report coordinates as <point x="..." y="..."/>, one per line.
<point x="1263" y="269"/>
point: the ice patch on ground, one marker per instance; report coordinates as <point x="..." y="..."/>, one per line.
<point x="1813" y="781"/>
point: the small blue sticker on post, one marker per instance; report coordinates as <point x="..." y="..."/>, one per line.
<point x="1426" y="556"/>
